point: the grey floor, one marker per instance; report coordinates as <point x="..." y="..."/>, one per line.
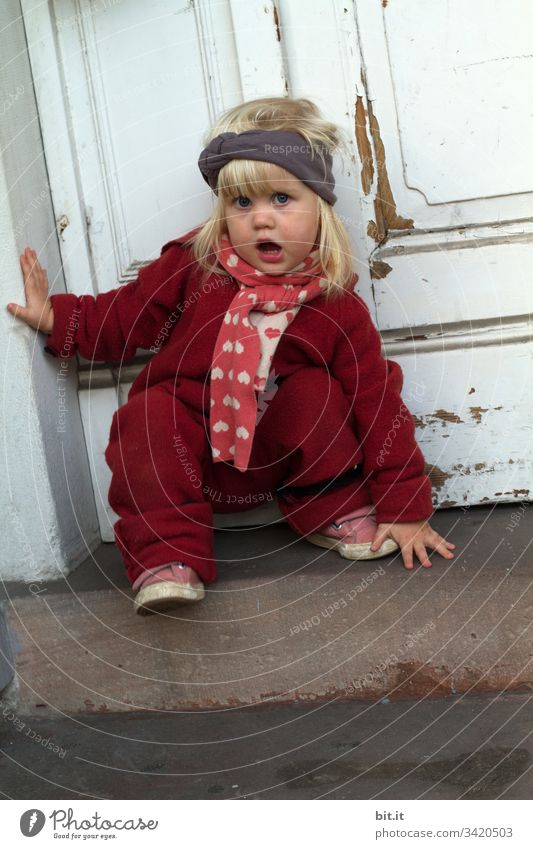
<point x="460" y="748"/>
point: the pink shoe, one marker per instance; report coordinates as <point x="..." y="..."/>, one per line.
<point x="166" y="586"/>
<point x="352" y="536"/>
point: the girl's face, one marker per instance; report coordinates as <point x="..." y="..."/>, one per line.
<point x="274" y="230"/>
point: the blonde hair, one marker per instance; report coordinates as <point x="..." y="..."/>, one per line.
<point x="245" y="176"/>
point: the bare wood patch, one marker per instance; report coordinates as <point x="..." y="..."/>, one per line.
<point x="363" y="146"/>
<point x="477" y="412"/>
<point x="379" y="270"/>
<point x="387" y="217"/>
<point x="438" y="477"/>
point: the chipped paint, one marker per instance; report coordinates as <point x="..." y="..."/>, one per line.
<point x="477" y="412"/>
<point x="443" y="417"/>
<point x="446" y="416"/>
<point x="379" y="270"/>
<point x="387" y="217"/>
<point x="363" y="146"/>
<point x="467" y="470"/>
<point x="515" y="492"/>
<point x="412" y="337"/>
<point x="276" y="24"/>
<point x="437" y="476"/>
<point x="471" y="390"/>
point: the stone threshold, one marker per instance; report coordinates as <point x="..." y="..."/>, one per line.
<point x="285" y="622"/>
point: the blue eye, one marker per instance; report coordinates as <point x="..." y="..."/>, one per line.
<point x="245" y="202"/>
<point x="281" y="197"/>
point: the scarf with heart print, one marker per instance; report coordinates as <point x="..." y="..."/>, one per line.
<point x="249" y="334"/>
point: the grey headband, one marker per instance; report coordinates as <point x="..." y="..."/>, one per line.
<point x="287" y="149"/>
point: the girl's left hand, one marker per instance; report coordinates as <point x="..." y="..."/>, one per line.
<point x="413" y="537"/>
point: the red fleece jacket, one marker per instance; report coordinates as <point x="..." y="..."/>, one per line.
<point x="176" y="309"/>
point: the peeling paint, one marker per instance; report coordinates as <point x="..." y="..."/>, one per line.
<point x="437" y="476"/>
<point x="467" y="470"/>
<point x="477" y="412"/>
<point x="441" y="416"/>
<point x="363" y="146"/>
<point x="276" y="24"/>
<point x="463" y="470"/>
<point x="379" y="270"/>
<point x="446" y="416"/>
<point x="412" y="337"/>
<point x="387" y="218"/>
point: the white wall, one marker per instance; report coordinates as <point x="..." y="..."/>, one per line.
<point x="46" y="499"/>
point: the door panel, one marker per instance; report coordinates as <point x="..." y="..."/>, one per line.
<point x="436" y="101"/>
<point x="139" y="103"/>
<point x="434" y="183"/>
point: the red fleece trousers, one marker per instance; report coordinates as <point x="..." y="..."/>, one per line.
<point x="165" y="486"/>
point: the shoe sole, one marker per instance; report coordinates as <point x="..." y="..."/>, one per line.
<point x="354" y="551"/>
<point x="165" y="596"/>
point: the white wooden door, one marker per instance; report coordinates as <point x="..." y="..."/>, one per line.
<point x="434" y="186"/>
<point x="437" y="98"/>
<point x="450" y="86"/>
<point x="126" y="90"/>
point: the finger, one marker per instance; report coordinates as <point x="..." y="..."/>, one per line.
<point x="30" y="256"/>
<point x="25" y="263"/>
<point x="445" y="542"/>
<point x="17" y="310"/>
<point x="442" y="547"/>
<point x="35" y="276"/>
<point x="407" y="554"/>
<point x="422" y="555"/>
<point x="28" y="267"/>
<point x="378" y="540"/>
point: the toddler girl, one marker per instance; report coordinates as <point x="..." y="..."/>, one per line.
<point x="267" y="377"/>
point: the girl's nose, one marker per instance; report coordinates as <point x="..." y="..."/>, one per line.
<point x="262" y="217"/>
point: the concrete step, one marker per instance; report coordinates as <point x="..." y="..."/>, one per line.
<point x="285" y="622"/>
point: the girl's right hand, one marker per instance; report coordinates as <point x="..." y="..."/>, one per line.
<point x="38" y="312"/>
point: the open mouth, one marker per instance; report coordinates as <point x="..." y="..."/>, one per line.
<point x="269" y="250"/>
